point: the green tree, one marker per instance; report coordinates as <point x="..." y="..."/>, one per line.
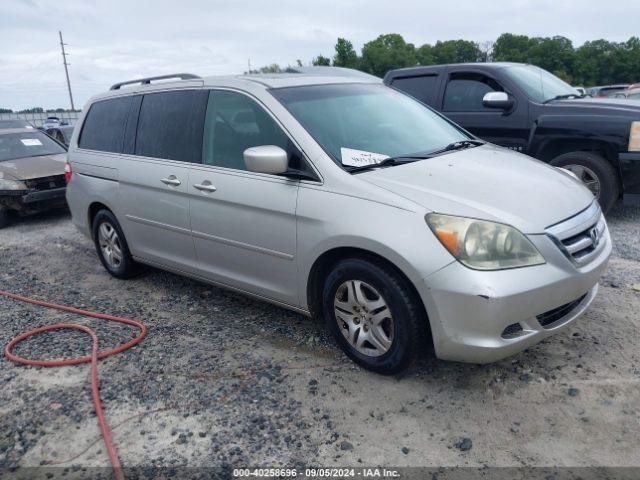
<point x="345" y="55"/>
<point x="456" y="51"/>
<point x="32" y="110"/>
<point x="555" y="54"/>
<point x="273" y="68"/>
<point x="387" y="52"/>
<point x="512" y="48"/>
<point x="629" y="52"/>
<point x="424" y="55"/>
<point x="598" y="63"/>
<point x="321" y="61"/>
<point x="6" y="110"/>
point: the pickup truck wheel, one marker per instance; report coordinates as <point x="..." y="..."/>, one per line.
<point x="112" y="247"/>
<point x="596" y="172"/>
<point x="4" y="217"/>
<point x="373" y="315"/>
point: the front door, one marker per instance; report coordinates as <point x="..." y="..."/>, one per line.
<point x="462" y="103"/>
<point x="243" y="223"/>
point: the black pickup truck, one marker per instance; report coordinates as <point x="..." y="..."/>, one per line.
<point x="527" y="109"/>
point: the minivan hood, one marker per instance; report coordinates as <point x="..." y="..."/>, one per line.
<point x="33" y="167"/>
<point x="489" y="183"/>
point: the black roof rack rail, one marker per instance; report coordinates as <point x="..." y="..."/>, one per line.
<point x="147" y="81"/>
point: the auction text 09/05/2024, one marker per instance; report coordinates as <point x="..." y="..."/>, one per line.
<point x="315" y="473"/>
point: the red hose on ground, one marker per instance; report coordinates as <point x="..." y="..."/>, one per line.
<point x="93" y="359"/>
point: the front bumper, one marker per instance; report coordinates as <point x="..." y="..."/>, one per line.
<point x="469" y="310"/>
<point x="44" y="195"/>
<point x="630" y="172"/>
<point x="30" y="201"/>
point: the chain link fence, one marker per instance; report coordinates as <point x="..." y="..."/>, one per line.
<point x="36" y="119"/>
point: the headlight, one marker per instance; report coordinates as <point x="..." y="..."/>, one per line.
<point x="483" y="245"/>
<point x="12" y="185"/>
<point x="634" y="137"/>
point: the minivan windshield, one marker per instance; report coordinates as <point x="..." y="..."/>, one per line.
<point x="359" y="124"/>
<point x="27" y="144"/>
<point x="540" y="85"/>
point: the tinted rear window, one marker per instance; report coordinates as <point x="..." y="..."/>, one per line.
<point x="423" y="88"/>
<point x="170" y="125"/>
<point x="104" y="126"/>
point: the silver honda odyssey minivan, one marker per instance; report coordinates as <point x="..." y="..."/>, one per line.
<point x="340" y="198"/>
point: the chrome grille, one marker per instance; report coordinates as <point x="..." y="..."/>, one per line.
<point x="582" y="236"/>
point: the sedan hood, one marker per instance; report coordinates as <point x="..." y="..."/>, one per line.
<point x="489" y="183"/>
<point x="33" y="167"/>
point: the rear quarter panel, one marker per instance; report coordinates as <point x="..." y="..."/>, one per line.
<point x="95" y="179"/>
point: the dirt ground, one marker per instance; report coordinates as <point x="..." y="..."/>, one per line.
<point x="225" y="381"/>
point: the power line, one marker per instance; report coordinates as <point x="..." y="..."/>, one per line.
<point x="66" y="70"/>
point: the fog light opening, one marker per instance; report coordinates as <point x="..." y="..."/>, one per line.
<point x="512" y="331"/>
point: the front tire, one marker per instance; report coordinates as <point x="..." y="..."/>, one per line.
<point x="596" y="172"/>
<point x="374" y="315"/>
<point x="112" y="247"/>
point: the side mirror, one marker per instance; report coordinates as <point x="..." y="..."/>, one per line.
<point x="266" y="159"/>
<point x="498" y="100"/>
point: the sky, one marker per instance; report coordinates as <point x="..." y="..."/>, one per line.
<point x="115" y="40"/>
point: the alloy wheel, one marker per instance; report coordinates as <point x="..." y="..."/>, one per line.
<point x="110" y="245"/>
<point x="586" y="176"/>
<point x="364" y="318"/>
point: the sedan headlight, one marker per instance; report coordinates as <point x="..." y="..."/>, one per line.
<point x="483" y="245"/>
<point x="634" y="137"/>
<point x="6" y="184"/>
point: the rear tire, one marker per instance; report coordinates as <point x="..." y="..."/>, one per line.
<point x="591" y="165"/>
<point x="112" y="247"/>
<point x="5" y="217"/>
<point x="354" y="298"/>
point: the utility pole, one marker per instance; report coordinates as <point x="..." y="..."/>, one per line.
<point x="66" y="70"/>
<point x="249" y="63"/>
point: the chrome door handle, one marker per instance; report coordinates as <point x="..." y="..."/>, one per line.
<point x="172" y="180"/>
<point x="205" y="186"/>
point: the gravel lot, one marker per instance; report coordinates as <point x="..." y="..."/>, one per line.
<point x="222" y="380"/>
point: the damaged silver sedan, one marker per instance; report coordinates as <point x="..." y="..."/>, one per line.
<point x="32" y="177"/>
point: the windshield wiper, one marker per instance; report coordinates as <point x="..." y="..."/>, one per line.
<point x="462" y="144"/>
<point x="564" y="97"/>
<point x="412" y="157"/>
<point x="400" y="159"/>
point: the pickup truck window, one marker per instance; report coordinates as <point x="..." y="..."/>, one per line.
<point x="423" y="88"/>
<point x="540" y="85"/>
<point x="465" y="91"/>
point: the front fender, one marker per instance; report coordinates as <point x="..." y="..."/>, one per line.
<point x="578" y="131"/>
<point x="327" y="221"/>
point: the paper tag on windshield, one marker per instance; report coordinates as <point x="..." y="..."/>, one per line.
<point x="31" y="142"/>
<point x="358" y="158"/>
